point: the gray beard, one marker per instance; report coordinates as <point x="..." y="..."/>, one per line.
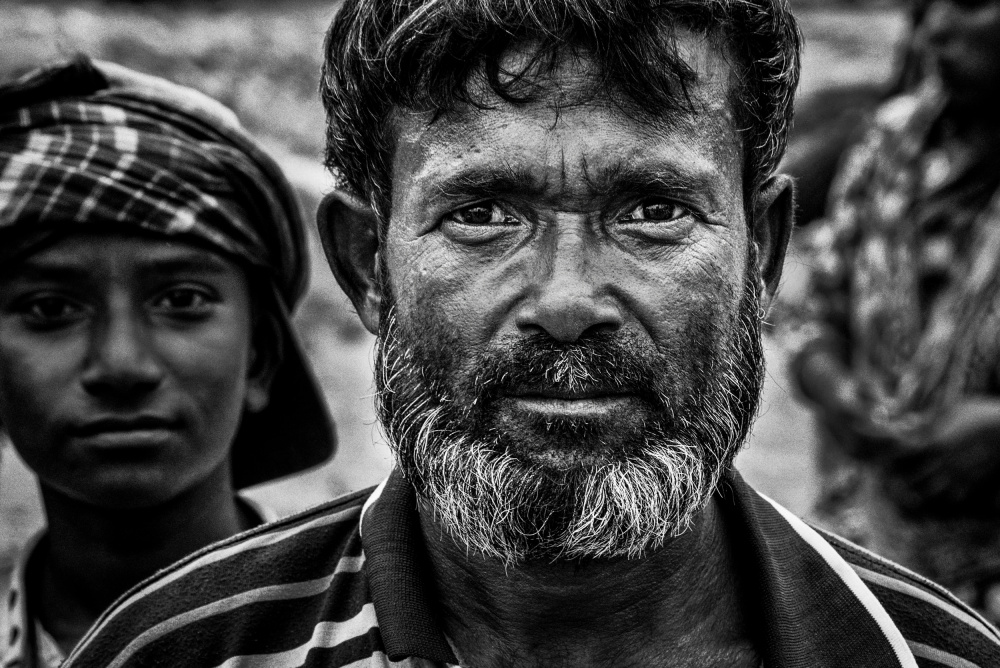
<point x="629" y="501"/>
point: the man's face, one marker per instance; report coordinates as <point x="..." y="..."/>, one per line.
<point x="569" y="349"/>
<point x="124" y="365"/>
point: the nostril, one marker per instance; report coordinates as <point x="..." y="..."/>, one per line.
<point x="124" y="381"/>
<point x="567" y="320"/>
<point x="601" y="328"/>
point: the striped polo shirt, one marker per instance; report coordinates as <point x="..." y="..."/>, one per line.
<point x="346" y="584"/>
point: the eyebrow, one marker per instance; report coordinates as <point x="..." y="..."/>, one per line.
<point x="616" y="180"/>
<point x="627" y="178"/>
<point x="489" y="181"/>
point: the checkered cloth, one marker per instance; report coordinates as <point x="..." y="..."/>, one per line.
<point x="82" y="144"/>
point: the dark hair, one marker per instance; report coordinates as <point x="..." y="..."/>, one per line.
<point x="419" y="54"/>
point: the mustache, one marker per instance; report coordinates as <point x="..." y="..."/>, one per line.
<point x="599" y="363"/>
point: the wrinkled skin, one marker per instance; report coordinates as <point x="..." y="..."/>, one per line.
<point x="550" y="227"/>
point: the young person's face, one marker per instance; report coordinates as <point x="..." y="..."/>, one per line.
<point x="125" y="366"/>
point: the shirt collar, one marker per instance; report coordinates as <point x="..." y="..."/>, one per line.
<point x="397" y="574"/>
<point x="813" y="609"/>
<point x="26" y="643"/>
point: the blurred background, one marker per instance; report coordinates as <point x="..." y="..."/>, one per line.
<point x="262" y="59"/>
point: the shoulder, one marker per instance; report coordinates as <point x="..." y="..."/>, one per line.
<point x="252" y="593"/>
<point x="938" y="627"/>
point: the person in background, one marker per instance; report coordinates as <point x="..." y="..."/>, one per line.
<point x="830" y="121"/>
<point x="150" y="253"/>
<point x="903" y="365"/>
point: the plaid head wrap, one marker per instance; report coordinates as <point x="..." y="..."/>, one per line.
<point x="81" y="145"/>
<point x="85" y="144"/>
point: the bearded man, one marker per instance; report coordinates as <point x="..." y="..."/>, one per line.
<point x="561" y="220"/>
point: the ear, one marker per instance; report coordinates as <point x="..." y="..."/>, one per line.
<point x="267" y="348"/>
<point x="774" y="218"/>
<point x="349" y="232"/>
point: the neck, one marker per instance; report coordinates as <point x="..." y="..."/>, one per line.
<point x="678" y="606"/>
<point x="93" y="555"/>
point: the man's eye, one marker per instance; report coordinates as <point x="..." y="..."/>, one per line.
<point x="656" y="210"/>
<point x="485" y="213"/>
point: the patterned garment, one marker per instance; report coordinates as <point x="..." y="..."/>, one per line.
<point x="24" y="641"/>
<point x="906" y="282"/>
<point x="134" y="154"/>
<point x="907" y="275"/>
<point x="345" y="584"/>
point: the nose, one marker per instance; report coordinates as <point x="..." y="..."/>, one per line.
<point x="567" y="300"/>
<point x="121" y="362"/>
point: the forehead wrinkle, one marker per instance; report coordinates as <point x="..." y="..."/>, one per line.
<point x="562" y="167"/>
<point x="709" y="116"/>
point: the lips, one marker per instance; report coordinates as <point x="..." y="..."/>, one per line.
<point x="117" y="424"/>
<point x="566" y="395"/>
<point x="572" y="403"/>
<point x="133" y="431"/>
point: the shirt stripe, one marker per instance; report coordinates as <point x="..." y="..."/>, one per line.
<point x="379" y="659"/>
<point x="375" y="616"/>
<point x="853" y="582"/>
<point x="20" y="648"/>
<point x="271" y="593"/>
<point x="905" y="588"/>
<point x="215" y="554"/>
<point x="376" y="494"/>
<point x="918" y="583"/>
<point x="941" y="657"/>
<point x="325" y="634"/>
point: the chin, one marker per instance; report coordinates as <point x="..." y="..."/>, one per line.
<point x="127" y="490"/>
<point x="562" y="460"/>
<point x="521" y="496"/>
<point x="563" y="453"/>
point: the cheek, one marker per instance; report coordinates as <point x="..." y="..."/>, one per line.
<point x="210" y="368"/>
<point x="39" y="393"/>
<point x="208" y="380"/>
<point x="442" y="298"/>
<point x="669" y="297"/>
<point x="37" y="379"/>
